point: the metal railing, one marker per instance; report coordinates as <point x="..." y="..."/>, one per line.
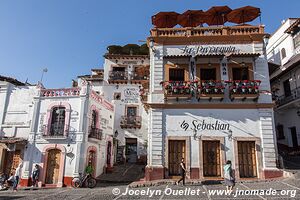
<point x="118" y="75"/>
<point x="95" y="133"/>
<point x="131" y="122"/>
<point x="55" y="130"/>
<point x="295" y="94"/>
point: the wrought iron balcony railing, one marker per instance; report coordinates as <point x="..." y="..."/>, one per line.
<point x="281" y="100"/>
<point x="177" y="89"/>
<point x="55" y="130"/>
<point x="118" y="75"/>
<point x="212" y="89"/>
<point x="95" y="133"/>
<point x="131" y="122"/>
<point x="243" y="89"/>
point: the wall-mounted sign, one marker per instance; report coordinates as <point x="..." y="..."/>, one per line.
<point x="204" y="50"/>
<point x="203" y="125"/>
<point x="131" y="95"/>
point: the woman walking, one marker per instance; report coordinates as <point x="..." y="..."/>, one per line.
<point x="229" y="179"/>
<point x="182" y="172"/>
<point x="17" y="176"/>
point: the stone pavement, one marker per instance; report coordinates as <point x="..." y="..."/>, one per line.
<point x="104" y="191"/>
<point x="124" y="173"/>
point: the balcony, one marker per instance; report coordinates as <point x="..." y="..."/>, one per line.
<point x="55" y="131"/>
<point x="118" y="77"/>
<point x="60" y="92"/>
<point x="210" y="89"/>
<point x="95" y="133"/>
<point x="139" y="78"/>
<point x="282" y="100"/>
<point x="244" y="89"/>
<point x="178" y="89"/>
<point x="207" y="31"/>
<point x="128" y="122"/>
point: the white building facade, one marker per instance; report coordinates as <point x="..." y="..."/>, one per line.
<point x="64" y="130"/>
<point x="209" y="101"/>
<point x="126" y="82"/>
<point x="284" y="63"/>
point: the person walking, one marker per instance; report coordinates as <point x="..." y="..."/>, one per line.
<point x="228" y="177"/>
<point x="35" y="175"/>
<point x="17" y="176"/>
<point x="182" y="172"/>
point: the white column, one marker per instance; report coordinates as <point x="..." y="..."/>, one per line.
<point x="268" y="138"/>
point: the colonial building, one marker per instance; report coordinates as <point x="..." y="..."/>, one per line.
<point x="125" y="84"/>
<point x="284" y="63"/>
<point x="16" y="113"/>
<point x="209" y="101"/>
<point x="61" y="130"/>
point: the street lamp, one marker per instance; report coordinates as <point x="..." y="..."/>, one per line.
<point x="45" y="70"/>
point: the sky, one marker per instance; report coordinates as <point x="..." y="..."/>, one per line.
<point x="70" y="37"/>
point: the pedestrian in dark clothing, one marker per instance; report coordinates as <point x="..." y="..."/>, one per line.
<point x="182" y="172"/>
<point x="35" y="175"/>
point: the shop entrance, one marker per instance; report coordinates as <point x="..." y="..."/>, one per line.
<point x="247" y="159"/>
<point x="211" y="159"/>
<point x="131" y="150"/>
<point x="176" y="153"/>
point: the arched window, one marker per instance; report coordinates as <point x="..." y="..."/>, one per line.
<point x="58" y="118"/>
<point x="283" y="53"/>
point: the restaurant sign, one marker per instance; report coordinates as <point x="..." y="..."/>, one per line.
<point x="203" y="125"/>
<point x="207" y="50"/>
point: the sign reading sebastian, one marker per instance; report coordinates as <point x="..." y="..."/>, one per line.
<point x="202" y="125"/>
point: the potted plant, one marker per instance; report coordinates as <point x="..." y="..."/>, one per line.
<point x="243" y="89"/>
<point x="233" y="89"/>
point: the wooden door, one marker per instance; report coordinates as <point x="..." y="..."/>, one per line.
<point x="12" y="160"/>
<point x="247" y="159"/>
<point x="53" y="162"/>
<point x="211" y="158"/>
<point x="176" y="153"/>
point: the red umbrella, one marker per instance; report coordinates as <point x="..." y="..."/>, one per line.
<point x="243" y="14"/>
<point x="165" y="19"/>
<point x="191" y="18"/>
<point x="217" y="15"/>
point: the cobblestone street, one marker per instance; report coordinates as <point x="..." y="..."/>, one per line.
<point x="105" y="192"/>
